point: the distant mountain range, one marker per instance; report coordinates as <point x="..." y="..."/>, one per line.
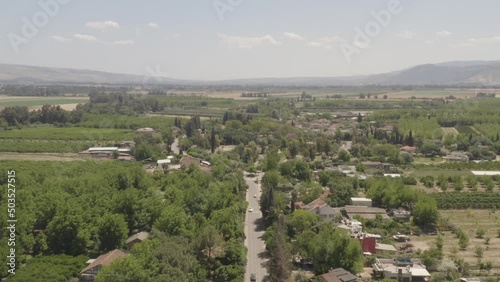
<point x="458" y="73"/>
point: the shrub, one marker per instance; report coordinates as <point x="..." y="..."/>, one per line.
<point x="428" y="181"/>
<point x="487" y="240"/>
<point x="479" y="251"/>
<point x="480" y="232"/>
<point x="463" y="241"/>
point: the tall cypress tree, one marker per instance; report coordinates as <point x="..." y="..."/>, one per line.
<point x="212" y="141"/>
<point x="409" y="141"/>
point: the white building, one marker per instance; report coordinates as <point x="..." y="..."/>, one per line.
<point x="482" y="173"/>
<point x="164" y="162"/>
<point x="408" y="270"/>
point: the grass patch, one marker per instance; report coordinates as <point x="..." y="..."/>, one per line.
<point x="435" y="172"/>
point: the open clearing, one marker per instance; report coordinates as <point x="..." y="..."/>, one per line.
<point x="470" y="221"/>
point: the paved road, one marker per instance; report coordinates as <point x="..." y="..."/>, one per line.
<point x="254" y="229"/>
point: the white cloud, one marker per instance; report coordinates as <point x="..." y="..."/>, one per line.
<point x="443" y="33"/>
<point x="104" y="25"/>
<point x="294" y="36"/>
<point x="484" y="39"/>
<point x="153" y="25"/>
<point x="176" y="35"/>
<point x="123" y="42"/>
<point x="246" y="42"/>
<point x="406" y="34"/>
<point x="361" y="45"/>
<point x="464" y="45"/>
<point x="325" y="42"/>
<point x="429" y="42"/>
<point x="61" y="38"/>
<point x="85" y="37"/>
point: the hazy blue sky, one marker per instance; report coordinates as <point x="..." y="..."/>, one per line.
<point x="248" y="38"/>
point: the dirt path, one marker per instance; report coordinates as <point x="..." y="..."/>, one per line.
<point x="7" y="156"/>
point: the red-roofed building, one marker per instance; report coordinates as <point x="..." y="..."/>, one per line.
<point x="321" y="208"/>
<point x="89" y="273"/>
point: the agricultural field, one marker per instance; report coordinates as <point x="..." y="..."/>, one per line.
<point x="427" y="128"/>
<point x="449" y="131"/>
<point x="68" y="133"/>
<point x="464" y="200"/>
<point x="490" y="129"/>
<point x="458" y="93"/>
<point x="58" y="157"/>
<point x="468" y="130"/>
<point x="8" y="101"/>
<point x="157" y="121"/>
<point x="471" y="221"/>
<point x="44" y="146"/>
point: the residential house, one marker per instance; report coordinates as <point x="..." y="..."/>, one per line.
<point x="347" y="169"/>
<point x="401" y="269"/>
<point x="136" y="238"/>
<point x="89" y="273"/>
<point x="321" y="208"/>
<point x="457" y="157"/>
<point x="338" y="275"/>
<point x="377" y="165"/>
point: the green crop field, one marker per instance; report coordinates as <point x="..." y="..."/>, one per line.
<point x="449" y="130"/>
<point x="68" y="133"/>
<point x="424" y="127"/>
<point x="37" y="146"/>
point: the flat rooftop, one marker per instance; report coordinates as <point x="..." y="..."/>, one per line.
<point x="417" y="268"/>
<point x="385" y="247"/>
<point x="365" y="212"/>
<point x="483" y="172"/>
<point x="360" y="199"/>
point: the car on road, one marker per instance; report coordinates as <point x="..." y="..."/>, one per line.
<point x="250" y="210"/>
<point x="253" y="277"/>
<point x="255" y="195"/>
